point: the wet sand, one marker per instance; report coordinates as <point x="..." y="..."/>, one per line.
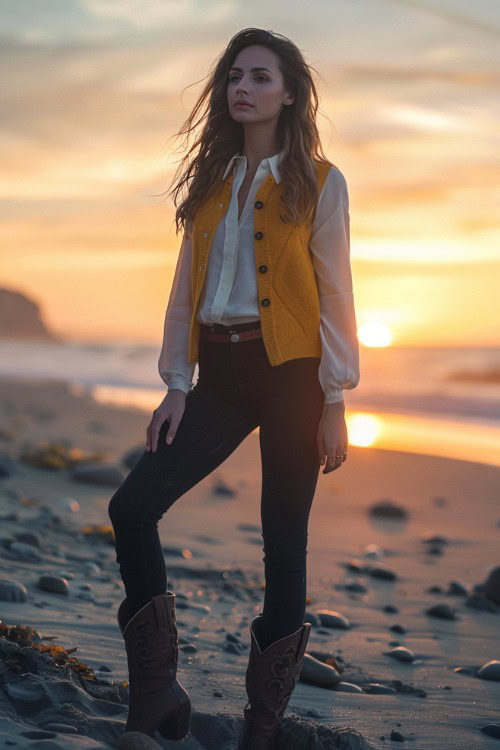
<point x="381" y="573"/>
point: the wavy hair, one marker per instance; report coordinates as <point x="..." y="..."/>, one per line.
<point x="221" y="136"/>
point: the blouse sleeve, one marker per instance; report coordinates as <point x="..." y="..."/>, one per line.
<point x="330" y="246"/>
<point x="173" y="365"/>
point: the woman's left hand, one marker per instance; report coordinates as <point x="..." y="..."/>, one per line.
<point x="332" y="436"/>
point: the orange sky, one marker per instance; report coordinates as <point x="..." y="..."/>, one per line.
<point x="409" y="113"/>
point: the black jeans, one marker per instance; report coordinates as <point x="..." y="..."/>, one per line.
<point x="237" y="390"/>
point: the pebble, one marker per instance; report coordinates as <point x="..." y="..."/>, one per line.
<point x="390" y="609"/>
<point x="397" y="628"/>
<point x="111" y="476"/>
<point x="492" y="585"/>
<point x="481" y="602"/>
<point x="492" y="730"/>
<point x="91" y="568"/>
<point x="54" y="584"/>
<point x="318" y="673"/>
<point x="25" y="552"/>
<point x="221" y="488"/>
<point x="401" y="653"/>
<point x="373" y="551"/>
<point x="441" y="610"/>
<point x="378" y="689"/>
<point x="12" y="591"/>
<point x="388" y="509"/>
<point x="431" y="538"/>
<point x="457" y="589"/>
<point x="348" y="687"/>
<point x="28" y="537"/>
<point x="490" y="670"/>
<point x="383" y="573"/>
<point x="332" y="619"/>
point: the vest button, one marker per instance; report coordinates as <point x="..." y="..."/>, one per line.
<point x="258" y="235"/>
<point x="265" y="302"/>
<point x="259" y="204"/>
<point x="263" y="269"/>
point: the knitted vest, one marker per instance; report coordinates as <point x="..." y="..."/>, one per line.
<point x="288" y="295"/>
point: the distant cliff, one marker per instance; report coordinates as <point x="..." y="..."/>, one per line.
<point x="20" y="318"/>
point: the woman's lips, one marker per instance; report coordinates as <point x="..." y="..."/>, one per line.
<point x="241" y="104"/>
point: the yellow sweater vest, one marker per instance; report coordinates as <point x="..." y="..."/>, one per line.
<point x="288" y="294"/>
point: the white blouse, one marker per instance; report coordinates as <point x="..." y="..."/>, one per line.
<point x="230" y="293"/>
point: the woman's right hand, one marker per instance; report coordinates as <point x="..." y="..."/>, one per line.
<point x="171" y="408"/>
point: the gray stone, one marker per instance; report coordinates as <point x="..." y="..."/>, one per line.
<point x="12" y="591"/>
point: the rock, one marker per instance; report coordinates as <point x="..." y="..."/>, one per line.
<point x="396" y="736"/>
<point x="397" y="628"/>
<point x="492" y="730"/>
<point x="331" y="619"/>
<point x="348" y="687"/>
<point x="109" y="475"/>
<point x="354" y="566"/>
<point x="490" y="670"/>
<point x="316" y="672"/>
<point x="12" y="591"/>
<point x="401" y="653"/>
<point x="457" y="589"/>
<point x="492" y="585"/>
<point x="388" y="509"/>
<point x="373" y="551"/>
<point x="383" y="573"/>
<point x="54" y="584"/>
<point x="91" y="568"/>
<point x="20" y="317"/>
<point x="391" y="609"/>
<point x="441" y="610"/>
<point x="377" y="688"/>
<point x="25" y="552"/>
<point x="221" y="488"/>
<point x="357" y="588"/>
<point x="28" y="537"/>
<point x="431" y="538"/>
<point x="481" y="602"/>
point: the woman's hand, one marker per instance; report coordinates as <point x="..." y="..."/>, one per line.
<point x="171" y="408"/>
<point x="332" y="436"/>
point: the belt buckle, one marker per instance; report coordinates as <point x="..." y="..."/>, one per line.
<point x="235" y="337"/>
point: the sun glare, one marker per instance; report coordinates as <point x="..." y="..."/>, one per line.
<point x="362" y="429"/>
<point x="375" y="333"/>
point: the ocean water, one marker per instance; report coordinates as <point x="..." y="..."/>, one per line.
<point x="438" y="399"/>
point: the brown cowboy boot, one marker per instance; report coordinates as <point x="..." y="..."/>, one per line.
<point x="157" y="701"/>
<point x="270" y="681"/>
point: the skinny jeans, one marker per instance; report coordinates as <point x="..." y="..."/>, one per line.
<point x="237" y="391"/>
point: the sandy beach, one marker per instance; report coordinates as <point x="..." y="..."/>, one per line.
<point x="434" y="541"/>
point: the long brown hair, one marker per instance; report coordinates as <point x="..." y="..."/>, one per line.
<point x="221" y="136"/>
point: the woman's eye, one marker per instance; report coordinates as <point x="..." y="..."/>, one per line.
<point x="231" y="78"/>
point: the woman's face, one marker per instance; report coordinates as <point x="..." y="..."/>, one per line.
<point x="255" y="78"/>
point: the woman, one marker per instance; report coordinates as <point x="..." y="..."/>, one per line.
<point x="262" y="301"/>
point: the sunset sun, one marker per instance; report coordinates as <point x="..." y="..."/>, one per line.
<point x="374" y="333"/>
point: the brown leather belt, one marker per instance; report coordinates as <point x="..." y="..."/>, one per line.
<point x="233" y="334"/>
